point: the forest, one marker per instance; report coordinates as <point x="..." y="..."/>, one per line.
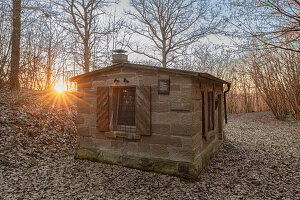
<point x="254" y="45"/>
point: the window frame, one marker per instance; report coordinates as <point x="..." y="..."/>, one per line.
<point x="116" y="106"/>
<point x="203" y="115"/>
<point x="105" y="112"/>
<point x="210" y="111"/>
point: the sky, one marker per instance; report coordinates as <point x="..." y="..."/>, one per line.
<point x="212" y="39"/>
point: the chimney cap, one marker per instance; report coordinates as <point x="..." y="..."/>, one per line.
<point x="119" y="56"/>
<point x="121" y="51"/>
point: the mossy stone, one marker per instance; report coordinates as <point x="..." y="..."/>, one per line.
<point x="209" y="152"/>
<point x="87" y="154"/>
<point x="176" y="168"/>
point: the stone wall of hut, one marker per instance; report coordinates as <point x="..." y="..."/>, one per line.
<point x="175" y="142"/>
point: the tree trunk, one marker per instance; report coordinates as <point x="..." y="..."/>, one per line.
<point x="48" y="78"/>
<point x="164" y="56"/>
<point x="15" y="53"/>
<point x="86" y="56"/>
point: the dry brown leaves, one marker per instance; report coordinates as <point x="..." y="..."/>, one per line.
<point x="259" y="160"/>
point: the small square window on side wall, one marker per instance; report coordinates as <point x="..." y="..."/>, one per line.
<point x="164" y="86"/>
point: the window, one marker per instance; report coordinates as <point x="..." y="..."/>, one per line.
<point x="203" y="114"/>
<point x="210" y="104"/>
<point x="220" y="126"/>
<point x="217" y="103"/>
<point x="124" y="109"/>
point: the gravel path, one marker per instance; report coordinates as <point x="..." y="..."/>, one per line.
<point x="258" y="160"/>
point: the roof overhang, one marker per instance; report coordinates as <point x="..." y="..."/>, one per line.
<point x="146" y="67"/>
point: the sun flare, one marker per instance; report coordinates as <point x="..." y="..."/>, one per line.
<point x="59" y="87"/>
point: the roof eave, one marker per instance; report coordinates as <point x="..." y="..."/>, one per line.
<point x="178" y="71"/>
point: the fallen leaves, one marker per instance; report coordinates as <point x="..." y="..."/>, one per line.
<point x="258" y="160"/>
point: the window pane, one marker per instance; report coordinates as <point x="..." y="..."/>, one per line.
<point x="126" y="107"/>
<point x="210" y="111"/>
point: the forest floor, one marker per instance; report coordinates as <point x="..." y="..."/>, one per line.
<point x="258" y="160"/>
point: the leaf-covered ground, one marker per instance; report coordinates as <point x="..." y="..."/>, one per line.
<point x="258" y="160"/>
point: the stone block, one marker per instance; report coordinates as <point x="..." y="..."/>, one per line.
<point x="110" y="157"/>
<point x="79" y="119"/>
<point x="130" y="70"/>
<point x="174" y="87"/>
<point x="97" y="134"/>
<point x="180" y="154"/>
<point x="144" y="148"/>
<point x="92" y="101"/>
<point x="208" y="152"/>
<point x="196" y="106"/>
<point x="102" y="143"/>
<point x="102" y="78"/>
<point x="84" y="85"/>
<point x="196" y="129"/>
<point x="181" y="130"/>
<point x="83" y="153"/>
<point x="111" y="134"/>
<point x="154" y="94"/>
<point x="187" y="143"/>
<point x="90" y="93"/>
<point x="198" y="141"/>
<point x="149" y="80"/>
<point x="196" y="118"/>
<point x="86" y="142"/>
<point x="83" y="131"/>
<point x="133" y="147"/>
<point x="160" y="165"/>
<point x="160" y="107"/>
<point x="122" y="76"/>
<point x="83" y="106"/>
<point x="113" y="71"/>
<point x="96" y="84"/>
<point x="162" y="140"/>
<point x="186" y="118"/>
<point x="196" y="93"/>
<point x="122" y="134"/>
<point x="163" y="76"/>
<point x="186" y="95"/>
<point x="161" y="129"/>
<point x="147" y="73"/>
<point x="128" y="135"/>
<point x="178" y="106"/>
<point x="164" y="118"/>
<point x="174" y="96"/>
<point x="91" y="119"/>
<point x="159" y="151"/>
<point x="180" y="80"/>
<point x="111" y="81"/>
<point x="187" y="169"/>
<point x="117" y="145"/>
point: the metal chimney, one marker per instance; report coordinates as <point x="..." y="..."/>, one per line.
<point x="119" y="56"/>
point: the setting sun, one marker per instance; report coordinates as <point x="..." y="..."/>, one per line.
<point x="59" y="87"/>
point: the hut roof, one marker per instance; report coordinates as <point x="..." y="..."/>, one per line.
<point x="146" y="67"/>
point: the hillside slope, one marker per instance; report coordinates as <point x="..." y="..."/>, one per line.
<point x="258" y="160"/>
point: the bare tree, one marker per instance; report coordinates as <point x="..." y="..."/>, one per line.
<point x="276" y="74"/>
<point x="83" y="16"/>
<point x="284" y="24"/>
<point x="5" y="40"/>
<point x="169" y="25"/>
<point x="15" y="53"/>
<point x="272" y="23"/>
